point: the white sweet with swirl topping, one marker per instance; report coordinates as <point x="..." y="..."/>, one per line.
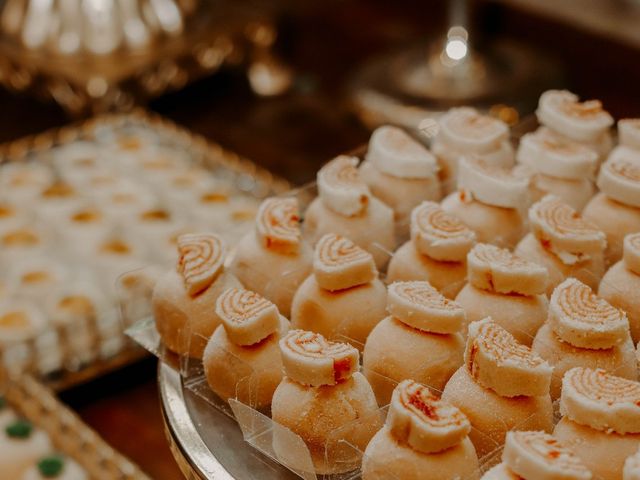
<point x="492" y="185"/>
<point x="468" y="131"/>
<point x="619" y="176"/>
<point x="439" y="234"/>
<point x="499" y="270"/>
<point x="564" y="232"/>
<point x="419" y="418"/>
<point x="248" y="318"/>
<point x="540" y="456"/>
<point x="561" y="111"/>
<point x="338" y="263"/>
<point x="310" y="359"/>
<point x="631" y="255"/>
<point x="497" y="361"/>
<point x="581" y="318"/>
<point x="555" y="156"/>
<point x="629" y="132"/>
<point x="395" y="153"/>
<point x="421" y="306"/>
<point x="340" y="186"/>
<point x="278" y="224"/>
<point x="600" y="400"/>
<point x="201" y="260"/>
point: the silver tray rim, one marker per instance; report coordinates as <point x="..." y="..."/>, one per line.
<point x="199" y="463"/>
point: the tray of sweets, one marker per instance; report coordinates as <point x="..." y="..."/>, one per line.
<point x="81" y="205"/>
<point x="484" y="326"/>
<point x="41" y="438"/>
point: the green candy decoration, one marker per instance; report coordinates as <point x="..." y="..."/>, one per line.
<point x="19" y="429"/>
<point x="51" y="467"/>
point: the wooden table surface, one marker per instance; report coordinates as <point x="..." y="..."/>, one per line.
<point x="293" y="134"/>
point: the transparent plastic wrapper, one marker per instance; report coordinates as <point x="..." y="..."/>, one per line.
<point x="290" y="450"/>
<point x="134" y="291"/>
<point x="237" y="380"/>
<point x="341" y="452"/>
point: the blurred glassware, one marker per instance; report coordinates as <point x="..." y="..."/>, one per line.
<point x="97" y="55"/>
<point x="427" y="79"/>
<point x="96" y="26"/>
<point x="268" y="75"/>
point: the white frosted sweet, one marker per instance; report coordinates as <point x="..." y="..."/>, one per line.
<point x="467" y="130"/>
<point x="493" y="185"/>
<point x="619" y="176"/>
<point x="550" y="154"/>
<point x="562" y="111"/>
<point x="395" y="153"/>
<point x="341" y="188"/>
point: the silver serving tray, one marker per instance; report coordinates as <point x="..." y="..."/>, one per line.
<point x="206" y="443"/>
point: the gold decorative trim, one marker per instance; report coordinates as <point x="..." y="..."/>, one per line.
<point x="212" y="152"/>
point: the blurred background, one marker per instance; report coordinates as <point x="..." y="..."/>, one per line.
<point x="289" y="84"/>
<point x="275" y="80"/>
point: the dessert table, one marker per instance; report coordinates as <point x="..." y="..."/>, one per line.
<point x="293" y="134"/>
